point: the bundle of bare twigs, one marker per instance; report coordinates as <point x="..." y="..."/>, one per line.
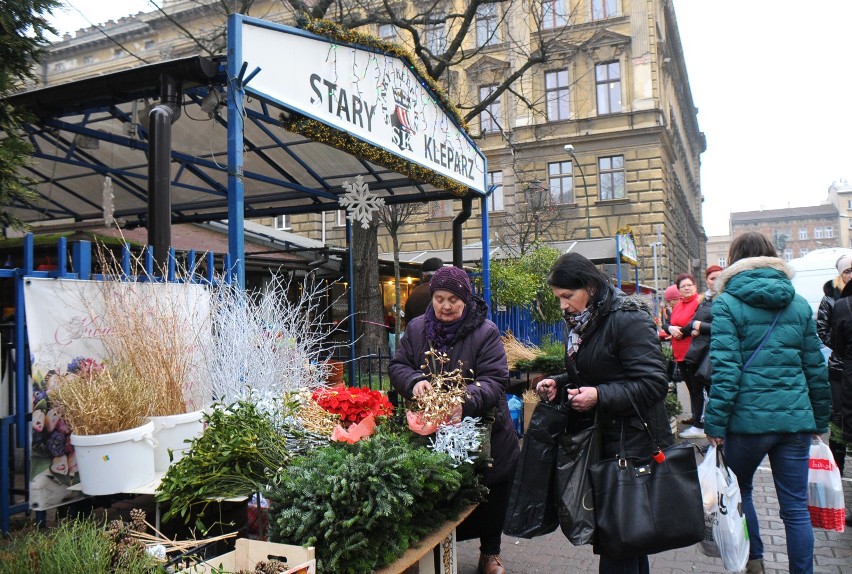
<point x="141" y="530"/>
<point x="103" y="399"/>
<point x="516" y="350"/>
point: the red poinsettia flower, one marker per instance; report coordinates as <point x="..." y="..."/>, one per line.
<point x="353" y="404"/>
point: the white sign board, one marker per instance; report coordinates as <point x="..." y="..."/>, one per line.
<point x="373" y="96"/>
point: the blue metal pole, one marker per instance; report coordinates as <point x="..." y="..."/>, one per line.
<point x="350" y="265"/>
<point x="236" y="96"/>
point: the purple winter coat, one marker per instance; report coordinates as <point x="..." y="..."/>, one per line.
<point x="478" y="346"/>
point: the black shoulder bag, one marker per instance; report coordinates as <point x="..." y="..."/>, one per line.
<point x="647" y="505"/>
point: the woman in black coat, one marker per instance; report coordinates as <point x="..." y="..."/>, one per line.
<point x="612" y="341"/>
<point x="456" y="323"/>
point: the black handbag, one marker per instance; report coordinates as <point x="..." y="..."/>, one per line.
<point x="532" y="509"/>
<point x="579" y="448"/>
<point x="701" y="373"/>
<point x="647" y="505"/>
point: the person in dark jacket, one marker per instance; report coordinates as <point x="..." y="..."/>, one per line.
<point x="420" y="297"/>
<point x="700" y="331"/>
<point x="775" y="406"/>
<point x="612" y="341"/>
<point x="841" y="393"/>
<point x="825" y="318"/>
<point x="456" y="324"/>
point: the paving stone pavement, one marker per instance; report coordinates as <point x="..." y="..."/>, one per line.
<point x="553" y="554"/>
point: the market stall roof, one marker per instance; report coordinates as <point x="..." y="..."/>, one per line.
<point x="92" y="128"/>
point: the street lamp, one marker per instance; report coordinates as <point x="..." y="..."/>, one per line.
<point x="569" y="149"/>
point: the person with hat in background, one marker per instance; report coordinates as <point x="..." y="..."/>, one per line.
<point x="456" y="324"/>
<point x="700" y="346"/>
<point x="671" y="296"/>
<point x="832" y="291"/>
<point x="420" y="297"/>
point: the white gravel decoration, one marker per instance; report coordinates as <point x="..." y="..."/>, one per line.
<point x="461" y="441"/>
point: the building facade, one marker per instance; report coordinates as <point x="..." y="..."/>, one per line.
<point x="611" y="82"/>
<point x="795" y="231"/>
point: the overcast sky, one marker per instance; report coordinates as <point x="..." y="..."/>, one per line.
<point x="772" y="83"/>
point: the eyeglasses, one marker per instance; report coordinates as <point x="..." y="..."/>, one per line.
<point x="847" y="271"/>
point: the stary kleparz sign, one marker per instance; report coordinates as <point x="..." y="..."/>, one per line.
<point x="373" y="96"/>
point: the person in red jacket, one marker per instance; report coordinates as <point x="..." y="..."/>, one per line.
<point x="680" y="328"/>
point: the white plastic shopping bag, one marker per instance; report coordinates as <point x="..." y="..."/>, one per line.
<point x="726" y="533"/>
<point x="825" y="489"/>
<point x="707" y="478"/>
<point x="729" y="526"/>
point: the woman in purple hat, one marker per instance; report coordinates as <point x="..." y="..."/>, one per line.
<point x="456" y="324"/>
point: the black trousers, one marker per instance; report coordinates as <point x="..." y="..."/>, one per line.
<point x="696" y="394"/>
<point x="486" y="522"/>
<point x="838" y="449"/>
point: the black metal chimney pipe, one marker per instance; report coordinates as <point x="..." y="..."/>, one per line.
<point x="160" y="120"/>
<point x="458" y="253"/>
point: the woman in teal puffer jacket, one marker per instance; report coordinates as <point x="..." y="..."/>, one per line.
<point x="780" y="401"/>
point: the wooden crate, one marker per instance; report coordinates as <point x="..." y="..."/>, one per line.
<point x="248" y="553"/>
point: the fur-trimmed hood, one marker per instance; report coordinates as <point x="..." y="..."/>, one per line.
<point x="758" y="281"/>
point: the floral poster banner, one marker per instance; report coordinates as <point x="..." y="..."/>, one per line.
<point x="66" y="332"/>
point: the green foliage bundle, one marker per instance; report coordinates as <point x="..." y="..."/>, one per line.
<point x="673" y="407"/>
<point x="547" y="364"/>
<point x="523" y="282"/>
<point x="363" y="505"/>
<point x="74" y="547"/>
<point x="239" y="453"/>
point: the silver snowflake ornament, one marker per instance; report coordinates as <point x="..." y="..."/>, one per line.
<point x="360" y="202"/>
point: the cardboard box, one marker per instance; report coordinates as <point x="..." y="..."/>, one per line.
<point x="248" y="553"/>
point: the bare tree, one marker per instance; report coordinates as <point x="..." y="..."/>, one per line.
<point x="394" y="217"/>
<point x="370" y="330"/>
<point x="535" y="220"/>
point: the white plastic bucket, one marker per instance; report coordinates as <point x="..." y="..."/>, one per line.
<point x="115" y="462"/>
<point x="170" y="432"/>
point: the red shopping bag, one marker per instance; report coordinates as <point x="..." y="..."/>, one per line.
<point x="825" y="489"/>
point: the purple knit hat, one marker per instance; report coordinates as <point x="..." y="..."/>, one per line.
<point x="452" y="279"/>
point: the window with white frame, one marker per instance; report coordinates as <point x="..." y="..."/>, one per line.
<point x="495" y="200"/>
<point x="442" y="208"/>
<point x="487" y="21"/>
<point x="723" y="262"/>
<point x="340" y="218"/>
<point x="282" y="222"/>
<point x="828" y="232"/>
<point x="489" y="119"/>
<point x="849" y="204"/>
<point x="803" y="233"/>
<point x="560" y="180"/>
<point x="850" y="224"/>
<point x="788" y="254"/>
<point x="436" y="36"/>
<point x="608" y="87"/>
<point x="553" y="14"/>
<point x="387" y="31"/>
<point x="556" y="94"/>
<point x="803" y="252"/>
<point x="611" y="177"/>
<point x="817" y="232"/>
<point x="602" y="9"/>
